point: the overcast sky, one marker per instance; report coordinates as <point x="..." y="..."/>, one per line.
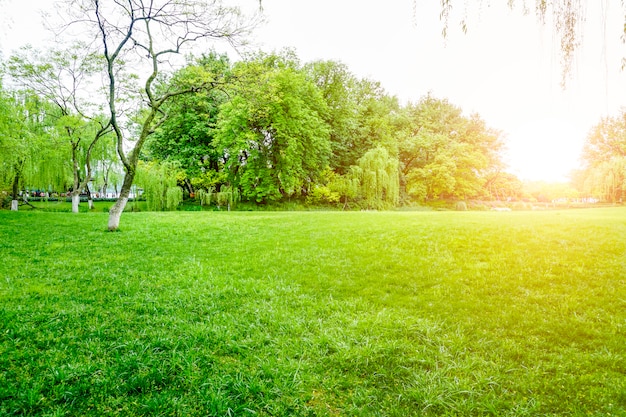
<point x="506" y="67"/>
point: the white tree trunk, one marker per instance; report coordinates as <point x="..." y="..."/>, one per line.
<point x="90" y="202"/>
<point x="116" y="212"/>
<point x="75" y="202"/>
<point x="14" y="205"/>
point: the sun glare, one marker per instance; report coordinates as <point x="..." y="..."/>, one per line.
<point x="546" y="149"/>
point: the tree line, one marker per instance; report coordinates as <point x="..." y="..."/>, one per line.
<point x="115" y="111"/>
<point x="269" y="129"/>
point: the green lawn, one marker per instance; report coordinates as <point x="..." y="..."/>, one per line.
<point x="314" y="313"/>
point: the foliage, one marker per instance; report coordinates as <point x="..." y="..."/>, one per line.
<point x="604" y="155"/>
<point x="503" y="186"/>
<point x="29" y="153"/>
<point x="272" y="135"/>
<point x="347" y="185"/>
<point x="270" y="129"/>
<point x="360" y="113"/>
<point x="444" y="154"/>
<point x="305" y="314"/>
<point x="322" y="195"/>
<point x="160" y="188"/>
<point x="205" y="197"/>
<point x="227" y="196"/>
<point x="379" y="179"/>
<point x="187" y="134"/>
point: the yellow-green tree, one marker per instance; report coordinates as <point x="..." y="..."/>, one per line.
<point x="604" y="156"/>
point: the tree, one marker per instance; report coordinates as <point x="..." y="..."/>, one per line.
<point x="159" y="184"/>
<point x="26" y="145"/>
<point x="379" y="181"/>
<point x="148" y="36"/>
<point x="272" y="135"/>
<point x="187" y="135"/>
<point x="444" y="154"/>
<point x="502" y="186"/>
<point x="61" y="77"/>
<point x="604" y="156"/>
<point x="360" y="113"/>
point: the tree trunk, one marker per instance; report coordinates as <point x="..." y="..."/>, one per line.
<point x="89" y="197"/>
<point x="75" y="201"/>
<point x="116" y="211"/>
<point x="15" y="189"/>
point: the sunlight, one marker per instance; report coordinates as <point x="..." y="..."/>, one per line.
<point x="544" y="149"/>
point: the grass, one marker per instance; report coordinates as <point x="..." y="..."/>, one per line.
<point x="307" y="314"/>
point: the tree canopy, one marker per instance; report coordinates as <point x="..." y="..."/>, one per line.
<point x="268" y="128"/>
<point x="604" y="155"/>
<point x="272" y="136"/>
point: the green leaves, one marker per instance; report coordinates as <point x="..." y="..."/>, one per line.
<point x="158" y="181"/>
<point x="604" y="154"/>
<point x="445" y="154"/>
<point x="270" y="129"/>
<point x="272" y="135"/>
<point x="186" y="136"/>
<point x="29" y="153"/>
<point x="379" y="179"/>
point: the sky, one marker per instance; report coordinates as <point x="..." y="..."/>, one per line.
<point x="505" y="67"/>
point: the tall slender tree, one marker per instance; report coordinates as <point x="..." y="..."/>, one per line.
<point x="148" y="36"/>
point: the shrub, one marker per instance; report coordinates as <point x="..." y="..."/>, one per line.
<point x="322" y="195"/>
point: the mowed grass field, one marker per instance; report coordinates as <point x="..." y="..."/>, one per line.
<point x="314" y="314"/>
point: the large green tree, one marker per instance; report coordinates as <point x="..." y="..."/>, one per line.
<point x="187" y="135"/>
<point x="273" y="138"/>
<point x="444" y="154"/>
<point x="360" y="113"/>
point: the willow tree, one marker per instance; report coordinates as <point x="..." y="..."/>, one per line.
<point x="567" y="18"/>
<point x="379" y="178"/>
<point x="67" y="78"/>
<point x="158" y="181"/>
<point x="27" y="147"/>
<point x="147" y="37"/>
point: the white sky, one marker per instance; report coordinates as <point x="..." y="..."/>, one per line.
<point x="505" y="68"/>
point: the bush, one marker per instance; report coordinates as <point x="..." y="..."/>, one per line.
<point x="322" y="195"/>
